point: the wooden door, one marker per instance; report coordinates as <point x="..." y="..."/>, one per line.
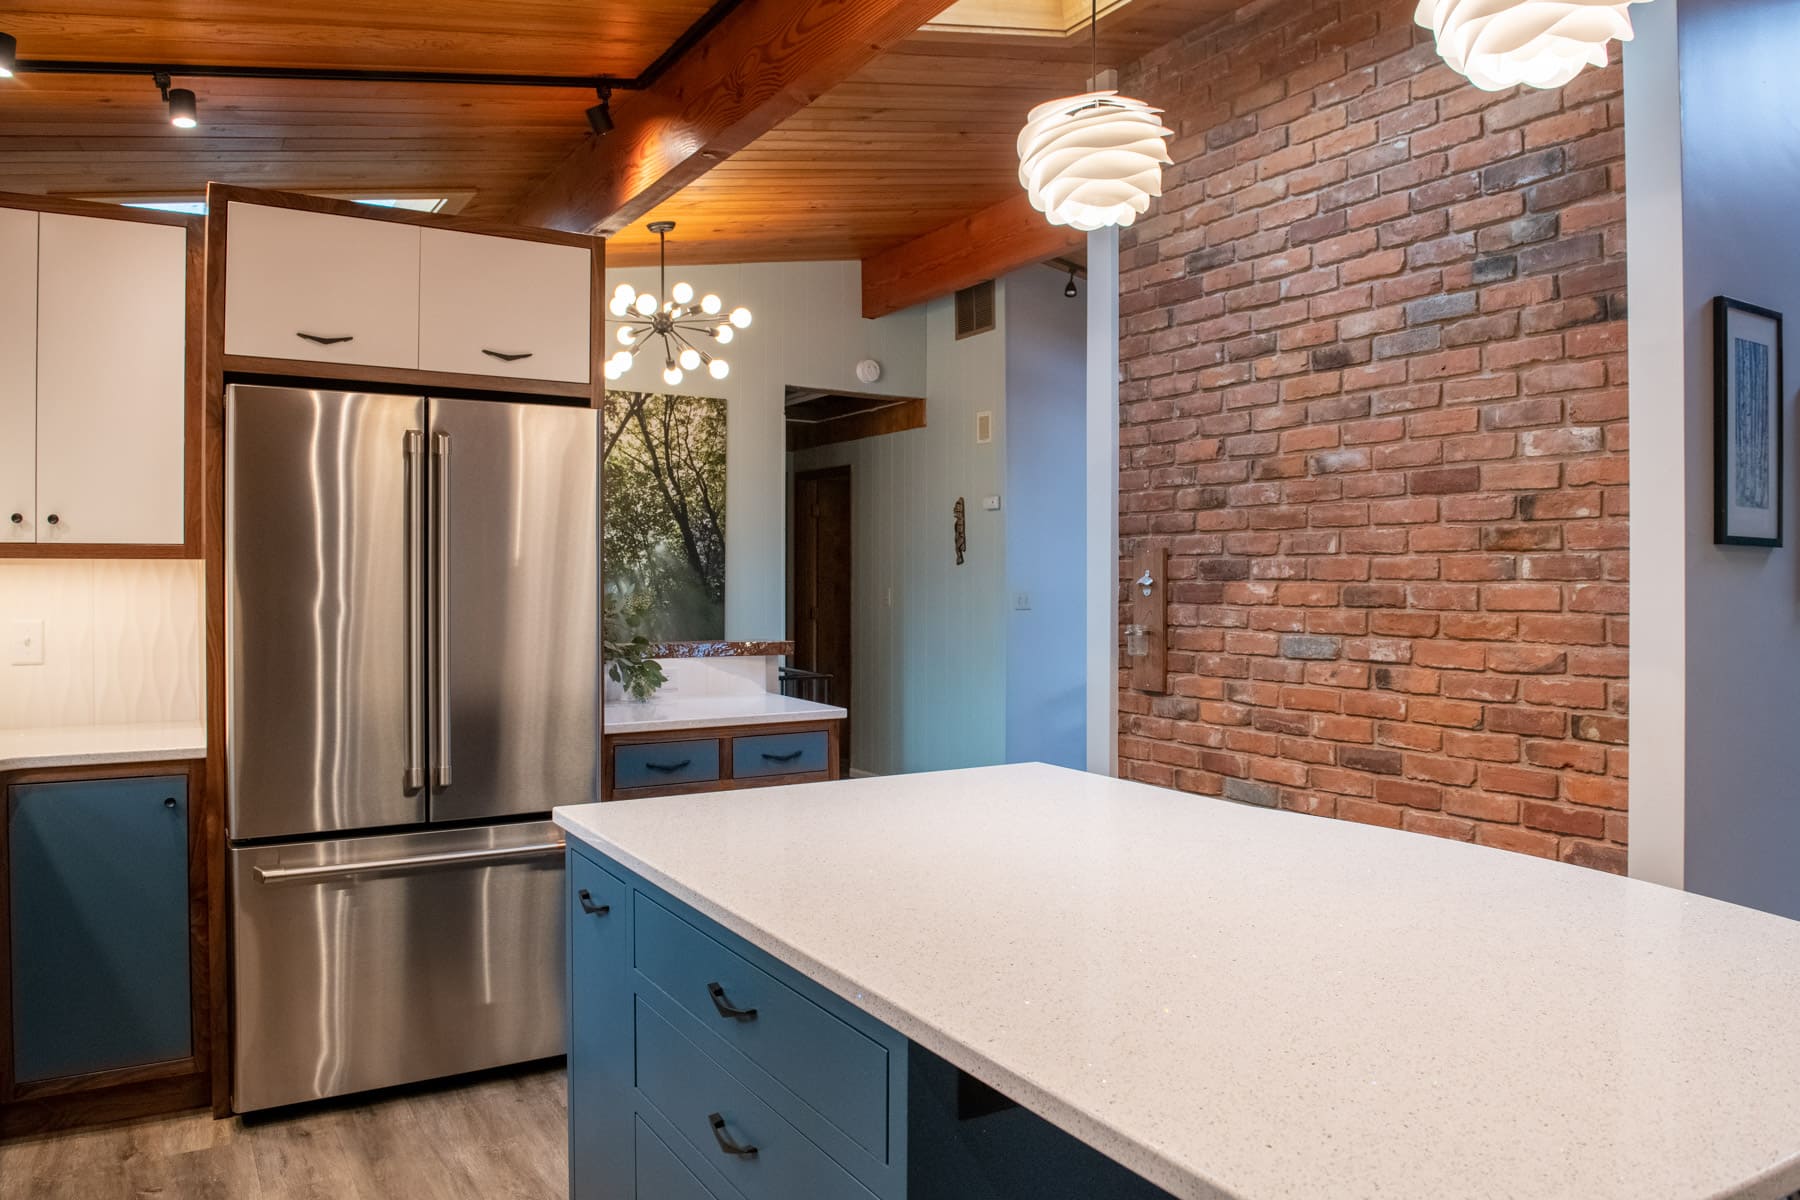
<point x="822" y="584"/>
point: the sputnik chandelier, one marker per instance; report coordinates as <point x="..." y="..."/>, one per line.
<point x="679" y="320"/>
<point x="1540" y="43"/>
<point x="1093" y="160"/>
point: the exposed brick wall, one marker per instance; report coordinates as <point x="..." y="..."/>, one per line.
<point x="1374" y="404"/>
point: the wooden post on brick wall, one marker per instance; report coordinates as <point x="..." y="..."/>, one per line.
<point x="1150" y="671"/>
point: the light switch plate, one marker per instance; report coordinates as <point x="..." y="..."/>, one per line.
<point x="27" y="643"/>
<point x="991" y="503"/>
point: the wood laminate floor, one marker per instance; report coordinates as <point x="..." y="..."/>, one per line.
<point x="500" y="1137"/>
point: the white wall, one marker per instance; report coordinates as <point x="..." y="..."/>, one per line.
<point x="1722" y="665"/>
<point x="808" y="331"/>
<point x="929" y="636"/>
<point x="122" y="642"/>
<point x="1046" y="661"/>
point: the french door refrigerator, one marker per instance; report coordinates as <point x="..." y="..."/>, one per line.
<point x="412" y="630"/>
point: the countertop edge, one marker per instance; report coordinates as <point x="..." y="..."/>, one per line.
<point x="1150" y="1163"/>
<point x="101" y="758"/>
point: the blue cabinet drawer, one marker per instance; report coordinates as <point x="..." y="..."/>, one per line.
<point x="780" y="754"/>
<point x="832" y="1067"/>
<point x="663" y="764"/>
<point x="661" y="1175"/>
<point x="99" y="905"/>
<point x="720" y="1119"/>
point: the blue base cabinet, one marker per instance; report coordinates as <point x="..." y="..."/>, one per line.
<point x="701" y="1068"/>
<point x="98" y="916"/>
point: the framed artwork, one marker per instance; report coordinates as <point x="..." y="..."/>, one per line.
<point x="1748" y="395"/>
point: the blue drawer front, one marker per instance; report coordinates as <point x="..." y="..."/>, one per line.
<point x="99" y="906"/>
<point x="662" y="764"/>
<point x="688" y="1088"/>
<point x="780" y="754"/>
<point x="661" y="1175"/>
<point x="835" y="1069"/>
<point x="599" y="1009"/>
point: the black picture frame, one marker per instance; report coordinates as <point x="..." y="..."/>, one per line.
<point x="1736" y="476"/>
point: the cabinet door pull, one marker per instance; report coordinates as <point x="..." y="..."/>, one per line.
<point x="589" y="907"/>
<point x="18" y="518"/>
<point x="726" y="1142"/>
<point x="53" y="519"/>
<point x="321" y="340"/>
<point x="505" y="357"/>
<point x="670" y="768"/>
<point x="783" y="758"/>
<point x="168" y="802"/>
<point x="725" y="1007"/>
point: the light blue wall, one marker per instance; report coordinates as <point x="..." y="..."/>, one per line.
<point x="1740" y="131"/>
<point x="1046" y="674"/>
<point x="929" y="636"/>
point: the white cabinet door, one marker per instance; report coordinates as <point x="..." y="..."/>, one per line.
<point x="320" y="287"/>
<point x="501" y="306"/>
<point x="18" y="375"/>
<point x="112" y="380"/>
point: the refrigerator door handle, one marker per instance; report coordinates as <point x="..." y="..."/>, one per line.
<point x="454" y="858"/>
<point x="415" y="610"/>
<point x="440" y="453"/>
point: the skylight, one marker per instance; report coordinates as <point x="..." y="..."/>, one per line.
<point x="197" y="208"/>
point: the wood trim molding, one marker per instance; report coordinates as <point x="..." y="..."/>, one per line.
<point x="438" y="383"/>
<point x="905" y="412"/>
<point x="219" y="195"/>
<point x="764" y="62"/>
<point x="96" y="208"/>
<point x="983" y="245"/>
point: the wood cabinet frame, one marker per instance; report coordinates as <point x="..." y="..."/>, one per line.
<point x="129" y="1091"/>
<point x="219" y="369"/>
<point x="725" y="735"/>
<point x="192" y="544"/>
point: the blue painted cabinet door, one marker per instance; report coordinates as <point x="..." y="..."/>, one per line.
<point x="600" y="1082"/>
<point x="98" y="873"/>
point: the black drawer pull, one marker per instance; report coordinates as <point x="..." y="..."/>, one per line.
<point x="724" y="1006"/>
<point x="589" y="907"/>
<point x="320" y="339"/>
<point x="670" y="768"/>
<point x="783" y="758"/>
<point x="724" y="1139"/>
<point x="505" y="357"/>
<point x="168" y="802"/>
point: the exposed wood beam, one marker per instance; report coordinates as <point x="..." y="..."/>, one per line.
<point x="983" y="245"/>
<point x="763" y="63"/>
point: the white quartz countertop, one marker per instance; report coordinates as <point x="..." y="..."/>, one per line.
<point x="92" y="745"/>
<point x="700" y="712"/>
<point x="1239" y="1002"/>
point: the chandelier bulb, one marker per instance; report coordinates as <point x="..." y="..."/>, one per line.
<point x="627" y="335"/>
<point x="718" y="368"/>
<point x="711" y="304"/>
<point x="690" y="358"/>
<point x="723" y="334"/>
<point x="672" y="375"/>
<point x="740" y="317"/>
<point x="681" y="293"/>
<point x="646" y="304"/>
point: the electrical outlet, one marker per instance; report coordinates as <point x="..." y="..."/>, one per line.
<point x="1022" y="601"/>
<point x="27" y="643"/>
<point x="991" y="503"/>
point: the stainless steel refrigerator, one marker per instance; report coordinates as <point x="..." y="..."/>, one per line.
<point x="412" y="629"/>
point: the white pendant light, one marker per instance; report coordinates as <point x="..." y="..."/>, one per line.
<point x="1500" y="44"/>
<point x="1092" y="160"/>
<point x="1096" y="159"/>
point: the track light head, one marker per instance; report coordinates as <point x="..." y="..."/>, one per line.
<point x="184" y="109"/>
<point x="599" y="117"/>
<point x="9" y="55"/>
<point x="1069" y="288"/>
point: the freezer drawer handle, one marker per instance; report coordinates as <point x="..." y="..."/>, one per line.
<point x="455" y="858"/>
<point x="725" y="1140"/>
<point x="783" y="758"/>
<point x="670" y="768"/>
<point x="319" y="339"/>
<point x="588" y="906"/>
<point x="725" y="1007"/>
<point x="503" y="356"/>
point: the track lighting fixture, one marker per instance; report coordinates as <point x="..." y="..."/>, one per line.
<point x="184" y="109"/>
<point x="1069" y="288"/>
<point x="599" y="117"/>
<point x="9" y="55"/>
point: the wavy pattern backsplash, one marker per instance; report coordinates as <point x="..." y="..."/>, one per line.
<point x="123" y="642"/>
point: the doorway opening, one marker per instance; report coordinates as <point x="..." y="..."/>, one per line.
<point x="821" y="592"/>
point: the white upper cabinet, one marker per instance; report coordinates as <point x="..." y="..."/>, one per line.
<point x="18" y="375"/>
<point x="503" y="306"/>
<point x="111" y="381"/>
<point x="325" y="288"/>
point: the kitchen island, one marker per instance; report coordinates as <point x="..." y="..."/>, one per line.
<point x="1221" y="1000"/>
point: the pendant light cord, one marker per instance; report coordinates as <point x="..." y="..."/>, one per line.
<point x="1094" y="47"/>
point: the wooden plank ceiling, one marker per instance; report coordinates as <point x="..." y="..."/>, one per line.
<point x="922" y="136"/>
